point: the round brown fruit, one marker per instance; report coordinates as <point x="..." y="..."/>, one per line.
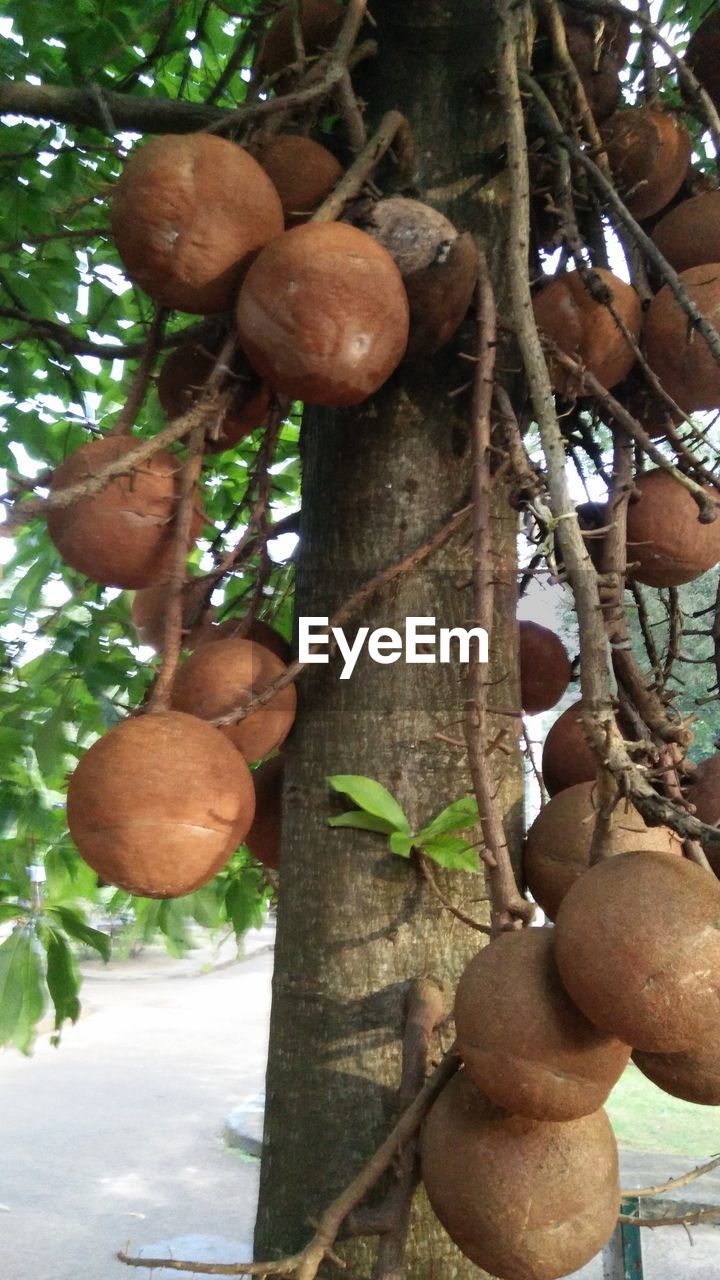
<point x="182" y="381"/>
<point x="320" y="23"/>
<point x="689" y="235"/>
<point x="703" y="792"/>
<point x="585" y="329"/>
<point x="638" y="949"/>
<point x="523" y="1199"/>
<point x="323" y="314"/>
<point x="703" y="55"/>
<point x="567" y="757"/>
<point x="227" y="674"/>
<point x="438" y="265"/>
<point x="557" y="849"/>
<point x="187" y="214"/>
<point x="666" y="543"/>
<point x="649" y="153"/>
<point x="693" y="1076"/>
<point x="148" y="613"/>
<point x="676" y="352"/>
<point x="263" y="838"/>
<point x="122" y="536"/>
<point x="521" y="1038"/>
<point x="545" y="670"/>
<point x="302" y="171"/>
<point x="158" y="804"/>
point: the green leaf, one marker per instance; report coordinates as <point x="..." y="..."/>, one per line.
<point x="12" y="911"/>
<point x="63" y="978"/>
<point x="74" y="925"/>
<point x="452" y="852"/>
<point x="402" y="844"/>
<point x="22" y="989"/>
<point x="456" y="817"/>
<point x="361" y="821"/>
<point x="372" y="797"/>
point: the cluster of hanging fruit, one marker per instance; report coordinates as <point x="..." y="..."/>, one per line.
<point x="323" y="312"/>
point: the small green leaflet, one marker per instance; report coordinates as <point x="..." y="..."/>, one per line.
<point x="379" y="811"/>
<point x="456" y="817"/>
<point x="22" y="988"/>
<point x="373" y="798"/>
<point x="63" y="979"/>
<point x="74" y="925"/>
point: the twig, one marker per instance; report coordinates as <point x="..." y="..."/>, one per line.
<point x="551" y="13"/>
<point x="429" y="875"/>
<point x="305" y="1264"/>
<point x="125" y="420"/>
<point x="351" y="606"/>
<point x="325" y="75"/>
<point x="392" y="126"/>
<point x="425" y="1011"/>
<point x="509" y="910"/>
<point x="172" y="636"/>
<point x="201" y="413"/>
<point x="681" y="1181"/>
<point x="681" y="1220"/>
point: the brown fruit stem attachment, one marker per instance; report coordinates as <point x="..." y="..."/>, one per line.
<point x="172" y="643"/>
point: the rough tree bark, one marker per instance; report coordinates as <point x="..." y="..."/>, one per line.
<point x="355" y="923"/>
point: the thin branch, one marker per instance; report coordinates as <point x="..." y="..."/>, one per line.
<point x="172" y="636"/>
<point x="428" y="872"/>
<point x="680" y="1220"/>
<point x="509" y="910"/>
<point x="392" y="127"/>
<point x="681" y="1181"/>
<point x="125" y="420"/>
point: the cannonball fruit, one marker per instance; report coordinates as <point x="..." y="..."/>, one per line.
<point x="122" y="536"/>
<point x="586" y="330"/>
<point x="438" y="265"/>
<point x="693" y="1075"/>
<point x="545" y="670"/>
<point x="523" y="1199"/>
<point x="567" y="756"/>
<point x="187" y="214"/>
<point x="302" y="171"/>
<point x="637" y="945"/>
<point x="557" y="849"/>
<point x="263" y="838"/>
<point x="666" y="543"/>
<point x="182" y="380"/>
<point x="522" y="1039"/>
<point x="649" y="153"/>
<point x="158" y="804"/>
<point x="323" y="314"/>
<point x="227" y="674"/>
<point x="676" y="352"/>
<point x="689" y="235"/>
<point x="320" y="23"/>
<point x="703" y="55"/>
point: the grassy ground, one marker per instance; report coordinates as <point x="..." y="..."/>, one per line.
<point x="647" y="1119"/>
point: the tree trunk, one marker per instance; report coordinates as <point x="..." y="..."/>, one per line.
<point x="356" y="924"/>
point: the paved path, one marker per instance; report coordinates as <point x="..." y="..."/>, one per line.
<point x="116" y="1137"/>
